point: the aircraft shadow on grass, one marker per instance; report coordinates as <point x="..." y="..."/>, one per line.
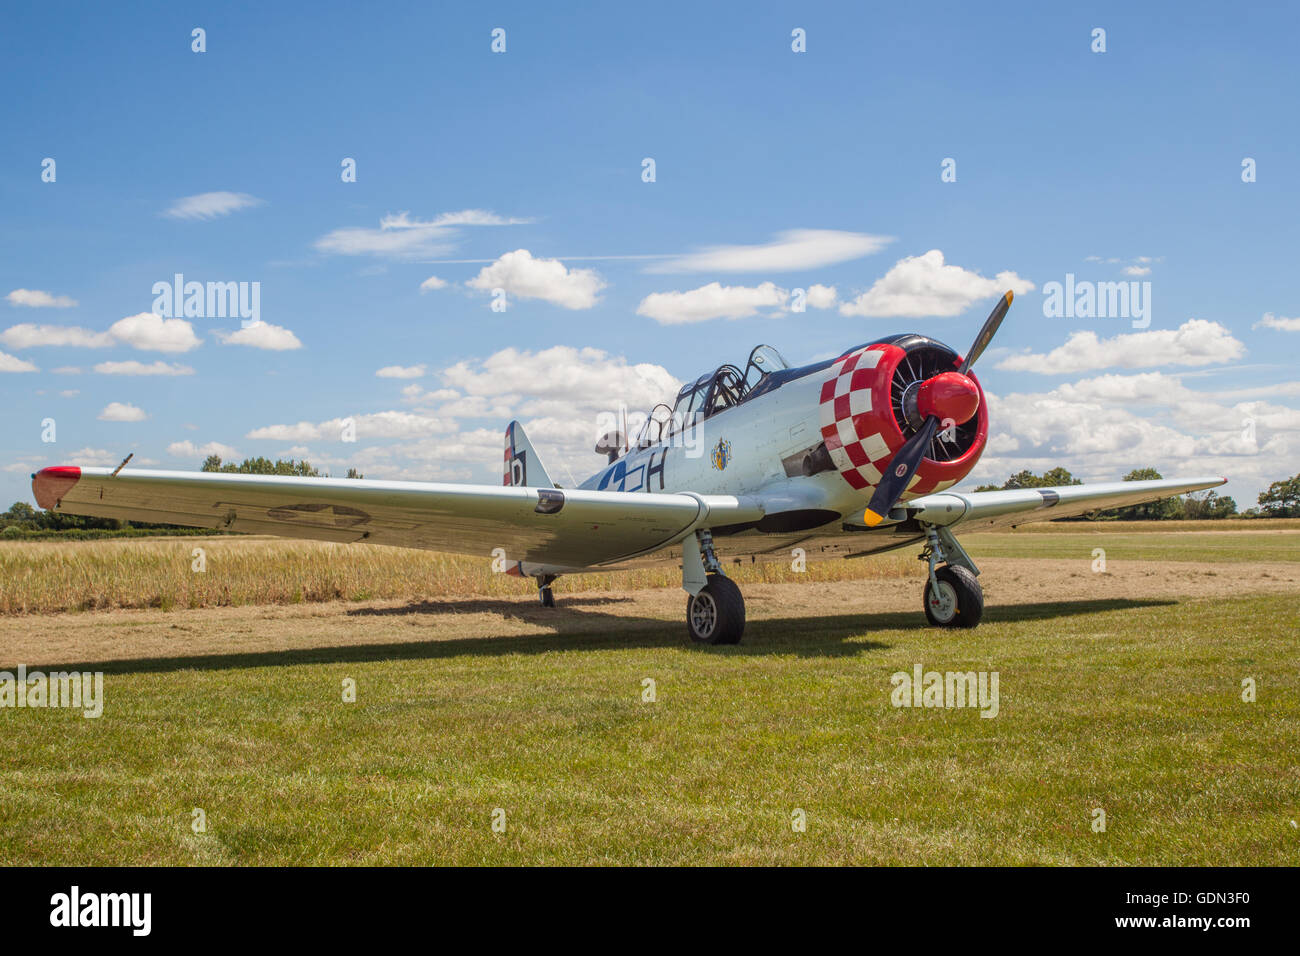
<point x="577" y="629"/>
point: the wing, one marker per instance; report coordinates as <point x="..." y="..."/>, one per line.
<point x="561" y="528"/>
<point x="978" y="510"/>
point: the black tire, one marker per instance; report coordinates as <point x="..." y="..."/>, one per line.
<point x="717" y="614"/>
<point x="546" y="596"/>
<point x="960" y="602"/>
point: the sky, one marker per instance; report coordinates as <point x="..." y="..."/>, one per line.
<point x="451" y="215"/>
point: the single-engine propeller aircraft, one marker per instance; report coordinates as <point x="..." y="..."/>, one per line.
<point x="850" y="456"/>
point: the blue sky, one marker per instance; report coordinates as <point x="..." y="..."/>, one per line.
<point x="814" y="169"/>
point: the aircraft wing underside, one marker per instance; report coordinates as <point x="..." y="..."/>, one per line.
<point x="551" y="527"/>
<point x="554" y="527"/>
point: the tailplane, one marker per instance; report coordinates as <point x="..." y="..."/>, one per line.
<point x="522" y="466"/>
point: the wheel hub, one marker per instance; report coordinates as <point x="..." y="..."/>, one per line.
<point x="943" y="600"/>
<point x="704" y="614"/>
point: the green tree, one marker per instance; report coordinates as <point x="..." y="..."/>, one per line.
<point x="1152" y="510"/>
<point x="262" y="466"/>
<point x="20" y="514"/>
<point x="1027" y="479"/>
<point x="1208" y="505"/>
<point x="1281" y="499"/>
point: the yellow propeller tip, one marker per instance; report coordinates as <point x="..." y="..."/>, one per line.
<point x="871" y="518"/>
<point x="1009" y="296"/>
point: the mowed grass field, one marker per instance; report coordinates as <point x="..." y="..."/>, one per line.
<point x="1119" y="692"/>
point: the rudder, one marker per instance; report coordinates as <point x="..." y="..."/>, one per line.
<point x="523" y="468"/>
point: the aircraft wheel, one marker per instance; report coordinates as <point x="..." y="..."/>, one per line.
<point x="958" y="601"/>
<point x="717" y="614"/>
<point x="546" y="596"/>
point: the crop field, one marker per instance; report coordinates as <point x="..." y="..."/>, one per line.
<point x="298" y="703"/>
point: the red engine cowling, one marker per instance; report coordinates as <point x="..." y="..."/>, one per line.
<point x="869" y="409"/>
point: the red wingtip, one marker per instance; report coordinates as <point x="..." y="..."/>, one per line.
<point x="51" y="484"/>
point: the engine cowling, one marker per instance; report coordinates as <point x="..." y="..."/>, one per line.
<point x="876" y="397"/>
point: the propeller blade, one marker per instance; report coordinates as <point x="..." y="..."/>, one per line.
<point x="989" y="330"/>
<point x="901" y="468"/>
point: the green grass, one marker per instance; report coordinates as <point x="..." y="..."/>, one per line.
<point x="1208" y="547"/>
<point x="1131" y="706"/>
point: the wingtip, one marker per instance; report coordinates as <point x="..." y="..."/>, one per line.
<point x="50" y="484"/>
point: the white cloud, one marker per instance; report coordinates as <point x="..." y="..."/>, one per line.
<point x="1195" y="342"/>
<point x="791" y="250"/>
<point x="417" y="394"/>
<point x="822" y="296"/>
<point x="26" y="335"/>
<point x="133" y="367"/>
<point x="1102" y="427"/>
<point x="390" y="424"/>
<point x="154" y="333"/>
<point x="92" y="457"/>
<point x="70" y="393"/>
<point x="36" y="299"/>
<point x="559" y="393"/>
<point x="1137" y="270"/>
<point x="431" y="283"/>
<point x="586" y="378"/>
<point x="924" y="286"/>
<point x="712" y="301"/>
<point x="524" y="277"/>
<point x="187" y="449"/>
<point x="143" y="331"/>
<point x="1282" y="324"/>
<point x="401" y="237"/>
<point x="11" y="363"/>
<point x="400" y="371"/>
<point x="122" y="412"/>
<point x="210" y="205"/>
<point x="261" y="335"/>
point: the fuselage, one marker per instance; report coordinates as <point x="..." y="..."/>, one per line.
<point x="774" y="441"/>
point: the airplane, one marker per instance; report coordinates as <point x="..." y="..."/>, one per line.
<point x="850" y="456"/>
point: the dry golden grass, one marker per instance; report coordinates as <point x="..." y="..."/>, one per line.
<point x="40" y="577"/>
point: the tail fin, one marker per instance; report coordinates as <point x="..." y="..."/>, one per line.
<point x="523" y="467"/>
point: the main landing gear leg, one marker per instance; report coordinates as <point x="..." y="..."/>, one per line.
<point x="953" y="596"/>
<point x="715" y="609"/>
<point x="544" y="593"/>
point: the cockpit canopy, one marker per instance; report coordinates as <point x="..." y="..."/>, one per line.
<point x="703" y="398"/>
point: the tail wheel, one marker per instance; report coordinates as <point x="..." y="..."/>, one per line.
<point x="717" y="614"/>
<point x="546" y="596"/>
<point x="956" y="601"/>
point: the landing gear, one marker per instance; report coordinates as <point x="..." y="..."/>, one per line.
<point x="953" y="596"/>
<point x="715" y="609"/>
<point x="717" y="614"/>
<point x="544" y="593"/>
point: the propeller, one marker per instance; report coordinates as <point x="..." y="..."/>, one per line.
<point x="948" y="395"/>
